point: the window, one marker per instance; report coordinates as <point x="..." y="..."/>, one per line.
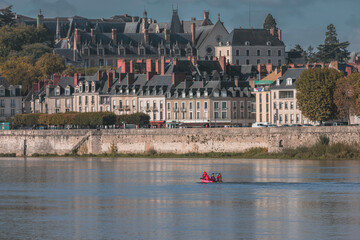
<point x="269" y="61"/>
<point x="216" y="115"/>
<point x="168" y="116"/>
<point x="93" y="109"/>
<point x="267" y="98"/>
<point x="190" y="105"/>
<point x="247" y="61"/>
<point x="274" y="105"/>
<point x="2" y="92"/>
<point x="286" y="94"/>
<point x="286" y="105"/>
<point x="57" y="91"/>
<point x="220" y="53"/>
<point x="176" y="106"/>
<point x="224" y="105"/>
<point x="237" y="62"/>
<point x="257" y="52"/>
<point x="247" y="52"/>
<point x="67" y="91"/>
<point x="267" y="108"/>
<point x="142" y="51"/>
<point x="279" y="53"/>
<point x="279" y="62"/>
<point x="280" y="118"/>
<point x="93" y="100"/>
<point x="297" y="118"/>
<point x="269" y="52"/>
<point x="258" y="61"/>
<point x="286" y="118"/>
<point x="134" y="104"/>
<point x="168" y="106"/>
<point x="67" y="103"/>
<point x="216" y="105"/>
<point x="291" y="105"/>
<point x="57" y="103"/>
<point x="274" y="95"/>
<point x="12" y="112"/>
<point x="280" y="105"/>
<point x="197" y="115"/>
<point x="12" y="103"/>
<point x="93" y="88"/>
<point x="292" y="118"/>
<point x="260" y="108"/>
<point x="260" y="96"/>
<point x="86" y="100"/>
<point x="80" y="109"/>
<point x="234" y="115"/>
<point x="227" y="52"/>
<point x="161" y="115"/>
<point x="2" y="112"/>
<point x="237" y="52"/>
<point x="198" y="105"/>
<point x="122" y="51"/>
<point x="2" y="103"/>
<point x="234" y="105"/>
<point x="224" y="115"/>
<point x="86" y="88"/>
<point x="191" y="115"/>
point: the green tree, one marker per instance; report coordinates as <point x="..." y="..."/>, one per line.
<point x="297" y="48"/>
<point x="332" y="49"/>
<point x="311" y="55"/>
<point x="19" y="71"/>
<point x="12" y="39"/>
<point x="7" y="17"/>
<point x="270" y="22"/>
<point x="49" y="63"/>
<point x="315" y="93"/>
<point x="34" y="51"/>
<point x="345" y="95"/>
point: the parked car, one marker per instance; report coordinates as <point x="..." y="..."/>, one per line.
<point x="272" y="125"/>
<point x="260" y="124"/>
<point x="296" y="125"/>
<point x="285" y="125"/>
<point x="307" y="125"/>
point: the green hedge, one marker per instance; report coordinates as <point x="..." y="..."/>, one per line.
<point x="89" y="119"/>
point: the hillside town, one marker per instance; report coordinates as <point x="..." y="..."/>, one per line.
<point x="182" y="73"/>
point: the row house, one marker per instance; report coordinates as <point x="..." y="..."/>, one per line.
<point x="194" y="93"/>
<point x="10" y="100"/>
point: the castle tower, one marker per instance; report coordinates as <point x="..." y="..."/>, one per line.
<point x="40" y="19"/>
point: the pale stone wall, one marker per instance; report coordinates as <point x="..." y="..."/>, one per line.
<point x="170" y="140"/>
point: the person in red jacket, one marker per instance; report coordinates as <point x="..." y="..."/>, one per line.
<point x="220" y="178"/>
<point x="205" y="176"/>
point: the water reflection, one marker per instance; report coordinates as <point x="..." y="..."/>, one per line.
<point x="163" y="199"/>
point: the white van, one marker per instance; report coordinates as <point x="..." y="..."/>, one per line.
<point x="260" y="124"/>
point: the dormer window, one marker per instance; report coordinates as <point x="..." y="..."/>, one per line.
<point x="169" y="95"/>
<point x="127" y="91"/>
<point x="12" y="91"/>
<point x="133" y="91"/>
<point x="289" y="81"/>
<point x="216" y="93"/>
<point x="198" y="94"/>
<point x="80" y="87"/>
<point x="223" y="93"/>
<point x="2" y="91"/>
<point x="142" y="51"/>
<point x="87" y="87"/>
<point x="67" y="91"/>
<point x="247" y="43"/>
<point x="183" y="94"/>
<point x="277" y="82"/>
<point x="191" y="94"/>
<point x="93" y="87"/>
<point x="268" y="43"/>
<point x="205" y="93"/>
<point x="57" y="91"/>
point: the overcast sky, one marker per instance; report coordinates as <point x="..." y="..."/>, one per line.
<point x="302" y="21"/>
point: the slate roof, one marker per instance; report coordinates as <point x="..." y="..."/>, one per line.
<point x="294" y="74"/>
<point x="256" y="37"/>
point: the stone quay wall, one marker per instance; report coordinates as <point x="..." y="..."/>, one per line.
<point x="185" y="140"/>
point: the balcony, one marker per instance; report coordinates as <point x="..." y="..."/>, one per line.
<point x="175" y="109"/>
<point x="120" y="108"/>
<point x="155" y="109"/>
<point x="183" y="109"/>
<point x="148" y="109"/>
<point x="127" y="108"/>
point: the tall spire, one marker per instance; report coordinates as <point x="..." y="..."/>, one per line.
<point x="175" y="25"/>
<point x="57" y="28"/>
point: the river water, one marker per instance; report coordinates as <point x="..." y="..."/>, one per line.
<point x="64" y="198"/>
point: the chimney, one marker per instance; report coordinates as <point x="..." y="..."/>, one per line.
<point x="236" y="80"/>
<point x="194" y="60"/>
<point x="149" y="66"/>
<point x="269" y="67"/>
<point x="113" y="36"/>
<point x="76" y="79"/>
<point x="130" y="78"/>
<point x="167" y="35"/>
<point x="47" y="90"/>
<point x="149" y="75"/>
<point x="206" y="15"/>
<point x="77" y="37"/>
<point x="110" y="79"/>
<point x="99" y="75"/>
<point x="121" y="63"/>
<point x="131" y="66"/>
<point x="157" y="66"/>
<point x="178" y="77"/>
<point x="279" y="34"/>
<point x="175" y="61"/>
<point x="193" y="34"/>
<point x="222" y="61"/>
<point x="146" y="36"/>
<point x="93" y="35"/>
<point x="272" y="31"/>
<point x="162" y="65"/>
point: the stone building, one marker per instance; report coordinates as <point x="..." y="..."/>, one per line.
<point x="252" y="47"/>
<point x="10" y="100"/>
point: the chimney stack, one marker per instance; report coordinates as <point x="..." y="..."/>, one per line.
<point x="132" y="66"/>
<point x="222" y="61"/>
<point x="279" y="34"/>
<point x="269" y="67"/>
<point x="121" y="63"/>
<point x="114" y="36"/>
<point x="194" y="60"/>
<point x="77" y="36"/>
<point x="110" y="79"/>
<point x="206" y="15"/>
<point x="149" y="66"/>
<point x="130" y="78"/>
<point x="76" y="79"/>
<point x="193" y="34"/>
<point x="93" y="35"/>
<point x="236" y="80"/>
<point x="272" y="31"/>
<point x="167" y="35"/>
<point x="162" y="65"/>
<point x="99" y="75"/>
<point x="149" y="75"/>
<point x="146" y="36"/>
<point x="175" y="61"/>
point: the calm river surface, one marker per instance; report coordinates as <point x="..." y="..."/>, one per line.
<point x="64" y="198"/>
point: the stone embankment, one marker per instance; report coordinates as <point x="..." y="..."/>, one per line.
<point x="179" y="141"/>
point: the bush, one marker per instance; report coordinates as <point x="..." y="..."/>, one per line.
<point x="323" y="140"/>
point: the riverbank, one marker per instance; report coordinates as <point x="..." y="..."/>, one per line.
<point x="319" y="151"/>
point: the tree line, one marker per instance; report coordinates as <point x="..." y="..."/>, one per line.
<point x="331" y="50"/>
<point x="326" y="94"/>
<point x="79" y="120"/>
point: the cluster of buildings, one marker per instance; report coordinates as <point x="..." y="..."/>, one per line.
<point x="181" y="73"/>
